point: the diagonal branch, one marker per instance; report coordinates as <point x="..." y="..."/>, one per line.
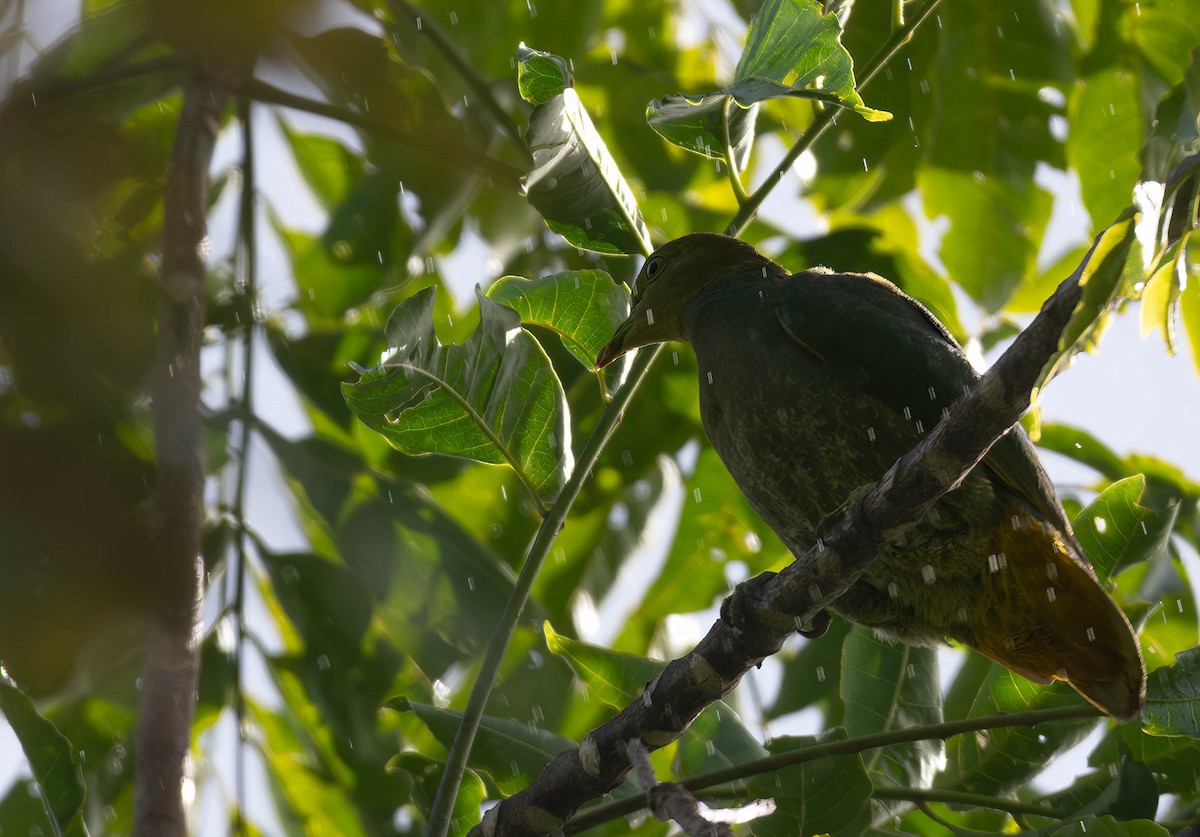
<point x="880" y="513"/>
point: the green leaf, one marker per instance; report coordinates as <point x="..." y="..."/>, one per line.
<point x="888" y="686"/>
<point x="1004" y="758"/>
<point x="1189" y="311"/>
<point x="792" y="49"/>
<point x="511" y="753"/>
<point x="493" y="399"/>
<point x="697" y="124"/>
<point x="1109" y="827"/>
<point x="792" y="45"/>
<point x="1116" y="532"/>
<point x="1129" y="792"/>
<point x="575" y="183"/>
<point x="1100" y="278"/>
<point x="583" y="307"/>
<point x="540" y="75"/>
<point x="989" y="131"/>
<point x="615" y="678"/>
<point x="1105" y="137"/>
<point x="306" y="798"/>
<point x="52" y="759"/>
<point x="427" y="774"/>
<point x="326" y="165"/>
<point x="826" y="796"/>
<point x="1173" y="697"/>
<point x="1161" y="295"/>
<point x="715" y="738"/>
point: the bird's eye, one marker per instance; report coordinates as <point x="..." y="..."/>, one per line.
<point x="654" y="267"/>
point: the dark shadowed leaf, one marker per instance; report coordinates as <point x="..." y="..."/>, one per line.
<point x="1006" y="757"/>
<point x="1110" y="827"/>
<point x="888" y="686"/>
<point x="1173" y="697"/>
<point x="826" y="796"/>
<point x="511" y="753"/>
<point x="493" y="399"/>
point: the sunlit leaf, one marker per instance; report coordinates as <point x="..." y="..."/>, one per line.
<point x="1161" y="294"/>
<point x="793" y="49"/>
<point x="575" y="182"/>
<point x="1116" y="532"/>
<point x="54" y="762"/>
<point x="584" y="307"/>
<point x="540" y="75"/>
<point x="493" y="399"/>
<point x="1100" y="280"/>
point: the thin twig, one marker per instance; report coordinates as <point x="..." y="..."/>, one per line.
<point x="848" y="746"/>
<point x="247" y="282"/>
<point x="456" y="759"/>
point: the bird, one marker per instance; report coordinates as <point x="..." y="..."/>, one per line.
<point x="811" y="386"/>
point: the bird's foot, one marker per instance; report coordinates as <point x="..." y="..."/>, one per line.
<point x="736" y="609"/>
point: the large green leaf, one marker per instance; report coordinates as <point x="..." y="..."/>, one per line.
<point x="54" y="762"/>
<point x="1173" y="697"/>
<point x="1102" y="146"/>
<point x="1004" y="758"/>
<point x="826" y="796"/>
<point x="510" y="752"/>
<point x="493" y="399"/>
<point x="1116" y="532"/>
<point x="575" y="183"/>
<point x="989" y="131"/>
<point x="888" y="686"/>
<point x="584" y="307"/>
<point x="793" y="49"/>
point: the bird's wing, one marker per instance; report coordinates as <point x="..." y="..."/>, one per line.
<point x="875" y="338"/>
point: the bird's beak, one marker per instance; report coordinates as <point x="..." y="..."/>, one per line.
<point x="615" y="347"/>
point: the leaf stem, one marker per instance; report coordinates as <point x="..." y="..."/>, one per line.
<point x="824" y="119"/>
<point x="731" y="163"/>
<point x="848" y="746"/>
<point x="456" y="759"/>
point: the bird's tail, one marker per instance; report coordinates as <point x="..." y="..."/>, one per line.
<point x="1047" y="617"/>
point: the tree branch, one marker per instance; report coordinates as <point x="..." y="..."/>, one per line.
<point x="881" y="513"/>
<point x="172" y="664"/>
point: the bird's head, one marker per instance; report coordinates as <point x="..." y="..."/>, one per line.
<point x="671" y="278"/>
